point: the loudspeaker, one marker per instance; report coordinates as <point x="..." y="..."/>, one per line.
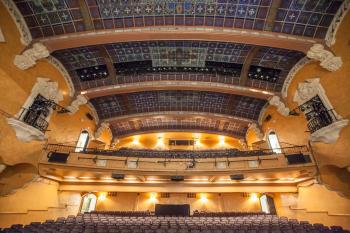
<point x="56" y="157"/>
<point x="118" y="176"/>
<point x="298" y="159"/>
<point x="177" y="178"/>
<point x="237" y="177"/>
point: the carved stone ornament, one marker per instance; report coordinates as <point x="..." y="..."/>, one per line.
<point x="2" y="167"/>
<point x="48" y="89"/>
<point x="29" y="57"/>
<point x="281" y="107"/>
<point x="326" y="58"/>
<point x="74" y="106"/>
<point x="25" y="132"/>
<point x="104" y="126"/>
<point x="256" y="129"/>
<point x="306" y="91"/>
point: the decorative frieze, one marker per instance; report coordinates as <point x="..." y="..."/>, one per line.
<point x="281" y="107"/>
<point x="336" y="22"/>
<point x="26" y="37"/>
<point x="58" y="65"/>
<point x="326" y="58"/>
<point x="74" y="106"/>
<point x="29" y="57"/>
<point x="301" y="63"/>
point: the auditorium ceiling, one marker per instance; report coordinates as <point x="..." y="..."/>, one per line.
<point x="309" y="18"/>
<point x="205" y="81"/>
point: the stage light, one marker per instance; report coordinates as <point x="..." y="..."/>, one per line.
<point x="254" y="197"/>
<point x="203" y="197"/>
<point x="222" y="141"/>
<point x="102" y="196"/>
<point x="160" y="142"/>
<point x="153" y="197"/>
<point x="136" y="140"/>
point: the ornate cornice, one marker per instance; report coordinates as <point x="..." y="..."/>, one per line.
<point x="26" y="37"/>
<point x="337" y="20"/>
<point x="58" y="65"/>
<point x="301" y="63"/>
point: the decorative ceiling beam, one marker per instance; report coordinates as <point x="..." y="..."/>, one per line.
<point x="177" y="85"/>
<point x="248" y="61"/>
<point x="108" y="61"/>
<point x="254" y="37"/>
<point x="84" y="9"/>
<point x="271" y="17"/>
<point x="179" y="114"/>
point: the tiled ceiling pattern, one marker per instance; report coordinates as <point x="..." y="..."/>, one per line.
<point x="178" y="53"/>
<point x="309" y="18"/>
<point x="279" y="59"/>
<point x="174" y="54"/>
<point x="195" y="101"/>
<point x="171" y="124"/>
<point x="300" y="17"/>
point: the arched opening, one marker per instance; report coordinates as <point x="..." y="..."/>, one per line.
<point x="88" y="203"/>
<point x="82" y="141"/>
<point x="274" y="143"/>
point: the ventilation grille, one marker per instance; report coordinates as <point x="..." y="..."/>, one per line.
<point x="164" y="195"/>
<point x="191" y="195"/>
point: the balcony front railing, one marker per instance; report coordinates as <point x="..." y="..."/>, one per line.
<point x="176" y="154"/>
<point x="33" y="119"/>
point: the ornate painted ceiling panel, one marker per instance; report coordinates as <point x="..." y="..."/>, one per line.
<point x="176" y="60"/>
<point x="309" y="18"/>
<point x="174" y="124"/>
<point x="191" y="101"/>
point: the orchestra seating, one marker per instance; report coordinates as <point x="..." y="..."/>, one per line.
<point x="105" y="222"/>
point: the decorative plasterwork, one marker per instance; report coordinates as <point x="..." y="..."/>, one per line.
<point x="326" y="58"/>
<point x="309" y="89"/>
<point x="93" y="112"/>
<point x="29" y="57"/>
<point x="26" y="37"/>
<point x="281" y="107"/>
<point x="256" y="129"/>
<point x="330" y="133"/>
<point x="104" y="126"/>
<point x="74" y="106"/>
<point x="2" y="38"/>
<point x="48" y="89"/>
<point x="25" y="132"/>
<point x="337" y="20"/>
<point x="301" y="63"/>
<point x="2" y="167"/>
<point x="63" y="72"/>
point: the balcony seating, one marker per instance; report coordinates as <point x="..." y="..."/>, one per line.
<point x="111" y="223"/>
<point x="180" y="154"/>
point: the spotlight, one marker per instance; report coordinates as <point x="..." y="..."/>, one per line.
<point x="102" y="196"/>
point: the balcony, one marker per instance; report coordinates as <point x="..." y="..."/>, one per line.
<point x="292" y="165"/>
